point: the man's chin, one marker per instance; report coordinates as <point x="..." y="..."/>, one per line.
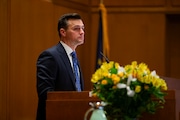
<point x="81" y="42"/>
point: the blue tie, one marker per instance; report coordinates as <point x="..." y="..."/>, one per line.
<point x="76" y="71"/>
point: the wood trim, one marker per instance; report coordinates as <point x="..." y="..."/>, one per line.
<point x="162" y="6"/>
<point x="72" y="5"/>
<point x="83" y="2"/>
<point x="130" y="3"/>
<point x="4" y="61"/>
<point x="174" y="10"/>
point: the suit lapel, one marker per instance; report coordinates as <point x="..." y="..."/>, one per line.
<point x="66" y="62"/>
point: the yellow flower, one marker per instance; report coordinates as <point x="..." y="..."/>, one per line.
<point x="143" y="66"/>
<point x="106" y="66"/>
<point x="106" y="74"/>
<point x="117" y="65"/>
<point x="120" y="74"/>
<point x="164" y="85"/>
<point x="156" y="82"/>
<point x="147" y="79"/>
<point x="115" y="78"/>
<point x="134" y="64"/>
<point x="128" y="69"/>
<point x="95" y="78"/>
<point x="134" y="74"/>
<point x="138" y="89"/>
<point x="141" y="79"/>
<point x="104" y="82"/>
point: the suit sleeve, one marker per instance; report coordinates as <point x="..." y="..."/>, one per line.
<point x="46" y="74"/>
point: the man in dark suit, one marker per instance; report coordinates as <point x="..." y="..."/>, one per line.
<point x="55" y="70"/>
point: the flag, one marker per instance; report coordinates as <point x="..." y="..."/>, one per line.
<point x="102" y="44"/>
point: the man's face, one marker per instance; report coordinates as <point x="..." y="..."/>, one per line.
<point x="75" y="32"/>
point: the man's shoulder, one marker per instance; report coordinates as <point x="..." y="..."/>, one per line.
<point x="52" y="50"/>
<point x="55" y="48"/>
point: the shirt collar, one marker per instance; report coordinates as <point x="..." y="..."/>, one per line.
<point x="67" y="48"/>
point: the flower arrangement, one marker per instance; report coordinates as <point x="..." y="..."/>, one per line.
<point x="128" y="91"/>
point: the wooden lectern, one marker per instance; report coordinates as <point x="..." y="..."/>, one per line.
<point x="73" y="105"/>
<point x="67" y="105"/>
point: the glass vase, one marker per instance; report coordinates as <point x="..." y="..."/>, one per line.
<point x="97" y="112"/>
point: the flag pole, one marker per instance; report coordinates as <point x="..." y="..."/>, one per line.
<point x="104" y="29"/>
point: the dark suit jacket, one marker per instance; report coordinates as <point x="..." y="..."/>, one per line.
<point x="54" y="73"/>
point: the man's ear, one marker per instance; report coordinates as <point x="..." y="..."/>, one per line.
<point x="62" y="32"/>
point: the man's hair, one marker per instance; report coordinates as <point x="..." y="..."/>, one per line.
<point x="63" y="21"/>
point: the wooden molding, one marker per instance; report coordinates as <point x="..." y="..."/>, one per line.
<point x="171" y="6"/>
<point x="72" y="4"/>
<point x="130" y="3"/>
<point x="176" y="3"/>
<point x="174" y="10"/>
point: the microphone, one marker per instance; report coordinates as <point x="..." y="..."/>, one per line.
<point x="107" y="60"/>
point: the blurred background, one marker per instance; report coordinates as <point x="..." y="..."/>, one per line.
<point x="142" y="30"/>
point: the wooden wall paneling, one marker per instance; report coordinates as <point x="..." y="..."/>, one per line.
<point x="94" y="39"/>
<point x="138" y="36"/>
<point x="172" y="45"/>
<point x="32" y="31"/>
<point x="4" y="29"/>
<point x="175" y="3"/>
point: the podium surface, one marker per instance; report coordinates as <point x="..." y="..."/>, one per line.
<point x="68" y="105"/>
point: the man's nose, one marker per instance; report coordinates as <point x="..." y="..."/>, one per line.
<point x="81" y="30"/>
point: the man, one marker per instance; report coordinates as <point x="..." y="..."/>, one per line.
<point x="55" y="66"/>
